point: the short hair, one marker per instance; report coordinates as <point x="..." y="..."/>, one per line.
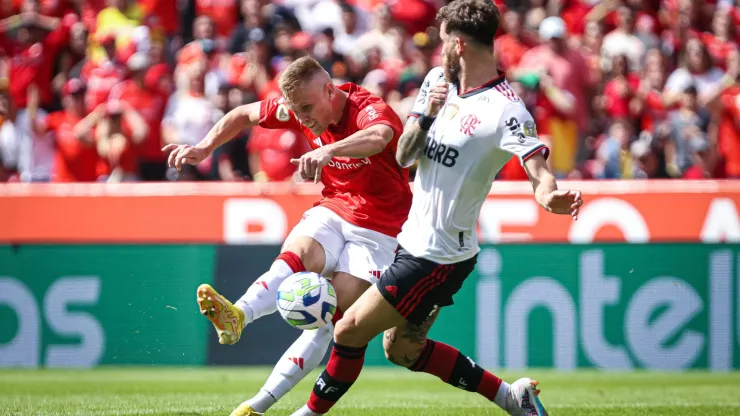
<point x="299" y="71"/>
<point x="477" y="19"/>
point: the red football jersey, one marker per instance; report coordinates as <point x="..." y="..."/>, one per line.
<point x="371" y="193"/>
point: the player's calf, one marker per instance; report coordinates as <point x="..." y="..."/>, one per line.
<point x="404" y="344"/>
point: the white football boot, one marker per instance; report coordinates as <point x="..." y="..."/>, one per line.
<point x="522" y="399"/>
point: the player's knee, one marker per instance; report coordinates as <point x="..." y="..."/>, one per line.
<point x="347" y="332"/>
<point x="310" y="252"/>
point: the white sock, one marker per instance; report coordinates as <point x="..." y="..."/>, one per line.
<point x="298" y="361"/>
<point x="502" y="395"/>
<point x="260" y="299"/>
<point x="305" y="411"/>
<point x="262" y="401"/>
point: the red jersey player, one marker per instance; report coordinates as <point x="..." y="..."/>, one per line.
<point x="349" y="234"/>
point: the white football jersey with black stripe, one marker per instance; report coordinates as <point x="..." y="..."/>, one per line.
<point x="473" y="137"/>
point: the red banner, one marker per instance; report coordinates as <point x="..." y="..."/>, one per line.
<point x="246" y="213"/>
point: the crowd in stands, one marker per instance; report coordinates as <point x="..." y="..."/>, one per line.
<point x="91" y="90"/>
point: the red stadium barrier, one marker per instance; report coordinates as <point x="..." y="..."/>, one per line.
<point x="249" y="213"/>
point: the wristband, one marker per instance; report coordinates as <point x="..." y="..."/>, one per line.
<point x="425" y="122"/>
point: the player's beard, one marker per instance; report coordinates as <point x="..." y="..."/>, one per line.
<point x="452" y="66"/>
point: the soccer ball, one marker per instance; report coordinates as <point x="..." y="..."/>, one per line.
<point x="306" y="300"/>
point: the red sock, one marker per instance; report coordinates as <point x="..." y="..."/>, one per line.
<point x="293" y="260"/>
<point x="453" y="368"/>
<point x="338" y="314"/>
<point x="343" y="368"/>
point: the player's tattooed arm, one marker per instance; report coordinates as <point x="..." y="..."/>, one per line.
<point x="413" y="140"/>
<point x="410" y="144"/>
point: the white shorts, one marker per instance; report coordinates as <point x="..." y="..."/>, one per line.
<point x="350" y="249"/>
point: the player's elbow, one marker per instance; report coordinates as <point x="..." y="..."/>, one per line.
<point x="405" y="158"/>
<point x="377" y="142"/>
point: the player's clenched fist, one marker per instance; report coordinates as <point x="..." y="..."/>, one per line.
<point x="183" y="153"/>
<point x="436" y="99"/>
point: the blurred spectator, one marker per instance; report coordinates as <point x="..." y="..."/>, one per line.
<point x="8" y="138"/>
<point x="620" y="89"/>
<point x="380" y="37"/>
<point x="316" y="15"/>
<point x="562" y="76"/>
<point x="729" y="119"/>
<point x="119" y="128"/>
<point x="350" y="33"/>
<point x="645" y="160"/>
<point x="703" y="160"/>
<point x="688" y="123"/>
<point x="698" y="70"/>
<point x="613" y="154"/>
<point x="223" y="14"/>
<point x="623" y="41"/>
<point x="38" y="41"/>
<point x="75" y="155"/>
<point x="510" y="47"/>
<point x="118" y="20"/>
<point x="251" y="70"/>
<point x="229" y="162"/>
<point x="189" y="115"/>
<point x="35" y="152"/>
<point x="721" y="41"/>
<point x="149" y="103"/>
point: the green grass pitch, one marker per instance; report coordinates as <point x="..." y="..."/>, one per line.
<point x="216" y="391"/>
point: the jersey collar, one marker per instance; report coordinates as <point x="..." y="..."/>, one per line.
<point x="485" y="87"/>
<point x="342" y="125"/>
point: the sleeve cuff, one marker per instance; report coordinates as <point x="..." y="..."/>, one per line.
<point x="540" y="148"/>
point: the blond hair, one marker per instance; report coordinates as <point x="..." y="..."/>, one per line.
<point x="301" y="70"/>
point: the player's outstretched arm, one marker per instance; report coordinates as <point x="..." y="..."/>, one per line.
<point x="227" y="128"/>
<point x="546" y="190"/>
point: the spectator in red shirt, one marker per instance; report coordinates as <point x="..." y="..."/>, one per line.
<point x="728" y="139"/>
<point x="620" y="89"/>
<point x="75" y="156"/>
<point x="510" y="47"/>
<point x="721" y="42"/>
<point x="119" y="130"/>
<point x="223" y="13"/>
<point x="39" y="40"/>
<point x="251" y="70"/>
<point x="649" y="99"/>
<point x="149" y="103"/>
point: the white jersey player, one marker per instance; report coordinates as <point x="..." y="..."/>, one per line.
<point x="473" y="137"/>
<point x="469" y="124"/>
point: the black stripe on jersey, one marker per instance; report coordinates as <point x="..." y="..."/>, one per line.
<point x="535" y="150"/>
<point x="485" y="87"/>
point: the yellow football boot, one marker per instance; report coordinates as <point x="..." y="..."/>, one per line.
<point x="245" y="410"/>
<point x="227" y="318"/>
